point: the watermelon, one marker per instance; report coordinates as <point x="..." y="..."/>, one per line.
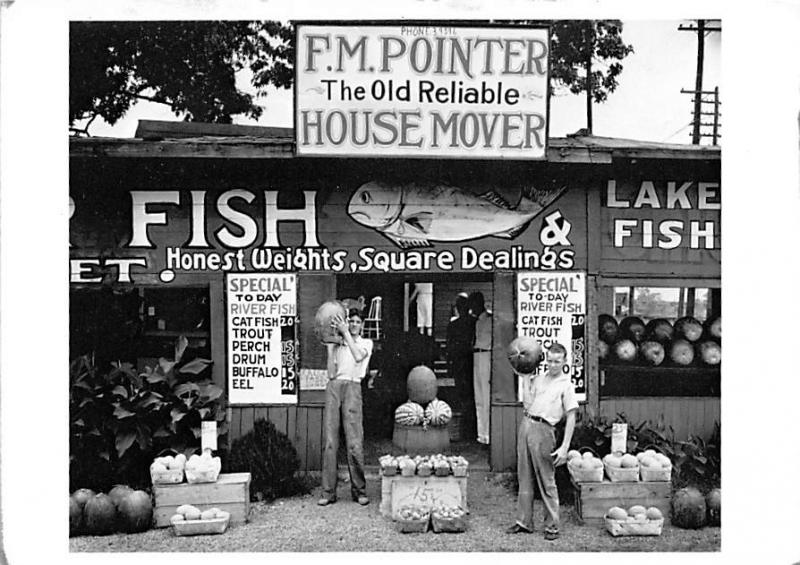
<point x="75" y="517"/>
<point x="714" y="506"/>
<point x="652" y="352"/>
<point x="710" y="352"/>
<point x="82" y="495"/>
<point x="625" y="350"/>
<point x="438" y="412"/>
<point x="714" y="328"/>
<point x="524" y="354"/>
<point x="135" y="512"/>
<point x="322" y="321"/>
<point x="660" y="330"/>
<point x="632" y="328"/>
<point x="118" y="492"/>
<point x="421" y="385"/>
<point x="688" y="328"/>
<point x="609" y="329"/>
<point x="689" y="508"/>
<point x="681" y="353"/>
<point x="100" y="515"/>
<point x="409" y="414"/>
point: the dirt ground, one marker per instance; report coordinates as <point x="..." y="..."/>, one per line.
<point x="297" y="524"/>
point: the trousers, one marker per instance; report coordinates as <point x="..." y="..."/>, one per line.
<point x="535" y="442"/>
<point x="343" y="407"/>
<point x="482" y="361"/>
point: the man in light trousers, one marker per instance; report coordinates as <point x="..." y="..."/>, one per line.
<point x="347" y="365"/>
<point x="547" y="399"/>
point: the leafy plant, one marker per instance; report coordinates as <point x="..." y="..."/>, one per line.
<point x="698" y="462"/>
<point x="120" y="419"/>
<point x="271" y="459"/>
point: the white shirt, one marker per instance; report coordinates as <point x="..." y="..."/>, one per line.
<point x="344" y="364"/>
<point x="549" y="398"/>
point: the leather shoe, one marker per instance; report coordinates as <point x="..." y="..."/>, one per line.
<point x="362" y="500"/>
<point x="518" y="529"/>
<point x="326" y="501"/>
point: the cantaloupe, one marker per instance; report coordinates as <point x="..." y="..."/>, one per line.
<point x="572" y="453"/>
<point x="637" y="509"/>
<point x="617" y="513"/>
<point x="524" y="354"/>
<point x="653" y="513"/>
<point x="628" y="461"/>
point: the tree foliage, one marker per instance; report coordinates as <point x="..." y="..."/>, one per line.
<point x="192" y="65"/>
<point x="574" y="42"/>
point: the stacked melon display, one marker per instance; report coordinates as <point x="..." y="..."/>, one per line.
<point x="685" y="343"/>
<point x="584" y="468"/>
<point x="422" y="407"/>
<point x="635" y="521"/>
<point x="123" y="509"/>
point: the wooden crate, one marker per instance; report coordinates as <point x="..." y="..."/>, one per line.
<point x="231" y="492"/>
<point x="592" y="500"/>
<point x="424" y="491"/>
<point x="416" y="440"/>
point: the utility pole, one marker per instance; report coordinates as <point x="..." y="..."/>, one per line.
<point x="701" y="30"/>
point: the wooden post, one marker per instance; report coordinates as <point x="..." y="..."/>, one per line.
<point x="698" y="84"/>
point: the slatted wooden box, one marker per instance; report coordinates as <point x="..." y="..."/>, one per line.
<point x="398" y="490"/>
<point x="592" y="500"/>
<point x="231" y="492"/>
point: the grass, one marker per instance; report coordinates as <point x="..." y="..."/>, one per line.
<point x="286" y="525"/>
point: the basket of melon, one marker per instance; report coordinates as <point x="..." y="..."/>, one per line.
<point x="621" y="467"/>
<point x="636" y="521"/>
<point x="189" y="520"/>
<point x="203" y="468"/>
<point x="654" y="466"/>
<point x="584" y="467"/>
<point x="413" y="519"/>
<point x="168" y="469"/>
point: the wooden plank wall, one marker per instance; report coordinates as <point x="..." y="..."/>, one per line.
<point x="686" y="415"/>
<point x="503" y="429"/>
<point x="303" y="425"/>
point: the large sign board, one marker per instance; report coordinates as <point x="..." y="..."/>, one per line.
<point x="261" y="338"/>
<point x="427" y="91"/>
<point x="551" y="306"/>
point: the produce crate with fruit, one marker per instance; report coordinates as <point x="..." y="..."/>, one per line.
<point x="592" y="500"/>
<point x="413" y="519"/>
<point x="441" y="465"/>
<point x="389" y="465"/>
<point x="168" y="469"/>
<point x="408" y="467"/>
<point x="621" y="467"/>
<point x="449" y="519"/>
<point x="459" y="465"/>
<point x="231" y="492"/>
<point x="636" y="521"/>
<point x="203" y="468"/>
<point x="189" y="520"/>
<point x="424" y="466"/>
<point x="584" y="467"/>
<point x="654" y="466"/>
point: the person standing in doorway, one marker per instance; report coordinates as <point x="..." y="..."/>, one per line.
<point x="460" y="333"/>
<point x="546" y="399"/>
<point x="423" y="293"/>
<point x="347" y="365"/>
<point x="482" y="362"/>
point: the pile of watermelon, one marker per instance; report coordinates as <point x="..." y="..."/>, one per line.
<point x="692" y="510"/>
<point x="123" y="509"/>
<point x="422" y="389"/>
<point x="686" y="343"/>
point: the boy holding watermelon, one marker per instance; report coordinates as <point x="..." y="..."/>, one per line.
<point x="546" y="399"/>
<point x="347" y="365"/>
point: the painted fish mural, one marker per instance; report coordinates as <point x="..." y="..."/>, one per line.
<point x="414" y="215"/>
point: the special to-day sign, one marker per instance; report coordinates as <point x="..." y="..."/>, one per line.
<point x="551" y="307"/>
<point x="407" y="90"/>
<point x="262" y="358"/>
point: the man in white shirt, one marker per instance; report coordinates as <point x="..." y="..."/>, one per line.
<point x="347" y="365"/>
<point x="546" y="399"/>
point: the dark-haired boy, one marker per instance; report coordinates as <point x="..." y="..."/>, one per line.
<point x="546" y="400"/>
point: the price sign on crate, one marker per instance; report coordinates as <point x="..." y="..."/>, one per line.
<point x="261" y="338"/>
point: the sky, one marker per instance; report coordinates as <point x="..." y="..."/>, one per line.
<point x="647" y="105"/>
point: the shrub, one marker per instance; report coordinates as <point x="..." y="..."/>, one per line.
<point x="120" y="420"/>
<point x="270" y="458"/>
